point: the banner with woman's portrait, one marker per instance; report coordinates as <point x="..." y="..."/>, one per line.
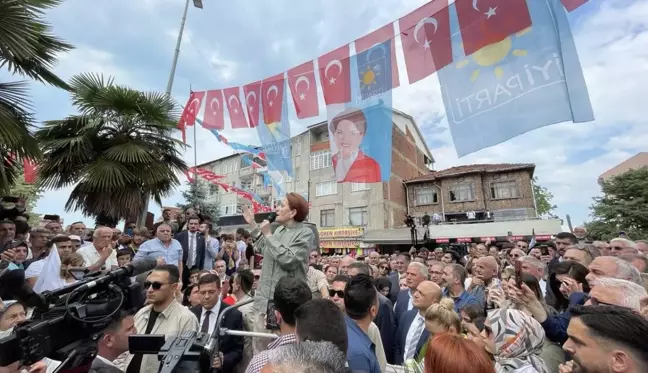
<point x="360" y="131"/>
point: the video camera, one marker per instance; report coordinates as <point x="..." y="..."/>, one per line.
<point x="67" y="322"/>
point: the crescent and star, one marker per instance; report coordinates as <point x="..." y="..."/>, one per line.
<point x="195" y="105"/>
<point x="273" y="88"/>
<point x="229" y="101"/>
<point x="328" y="66"/>
<point x="420" y="24"/>
<point x="215" y="101"/>
<point x="304" y="79"/>
<point x="250" y="94"/>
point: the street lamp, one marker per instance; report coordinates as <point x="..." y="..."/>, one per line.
<point x="198" y="4"/>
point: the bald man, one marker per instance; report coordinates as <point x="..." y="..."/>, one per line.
<point x="99" y="254"/>
<point x="484" y="277"/>
<point x="411" y="333"/>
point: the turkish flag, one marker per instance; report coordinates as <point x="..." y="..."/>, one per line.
<point x="214" y="110"/>
<point x="380" y="36"/>
<point x="252" y="94"/>
<point x="272" y="93"/>
<point x="188" y="117"/>
<point x="304" y="90"/>
<point x="30" y="171"/>
<point x="425" y="35"/>
<point x="237" y="116"/>
<point x="573" y="4"/>
<point x="485" y="22"/>
<point x="335" y="76"/>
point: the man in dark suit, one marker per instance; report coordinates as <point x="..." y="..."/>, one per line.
<point x="230" y="347"/>
<point x="411" y="334"/>
<point x="112" y="343"/>
<point x="193" y="248"/>
<point x="416" y="273"/>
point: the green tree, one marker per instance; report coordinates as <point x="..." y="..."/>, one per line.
<point x="31" y="193"/>
<point x="622" y="207"/>
<point x="197" y="194"/>
<point x="27" y="49"/>
<point x="116" y="151"/>
<point x="543" y="198"/>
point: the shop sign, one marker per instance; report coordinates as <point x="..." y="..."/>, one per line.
<point x="464" y="239"/>
<point x="543" y="238"/>
<point x="516" y="238"/>
<point x="340" y="244"/>
<point x="484" y="239"/>
<point x="442" y="240"/>
<point x="347" y="232"/>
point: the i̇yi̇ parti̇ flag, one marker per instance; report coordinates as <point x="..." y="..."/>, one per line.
<point x="383" y="35"/>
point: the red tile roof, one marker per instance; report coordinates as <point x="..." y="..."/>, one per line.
<point x="470" y="169"/>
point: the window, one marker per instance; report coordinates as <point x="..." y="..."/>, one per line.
<point x="327" y="218"/>
<point x="460" y="192"/>
<point x="326" y="188"/>
<point x="213" y="189"/>
<point x="296" y="149"/>
<point x="246" y="185"/>
<point x="357" y="187"/>
<point x="228" y="210"/>
<point x="425" y="196"/>
<point x="358" y="216"/>
<point x="320" y="159"/>
<point x="504" y="189"/>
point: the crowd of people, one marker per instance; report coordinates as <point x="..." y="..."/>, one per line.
<point x="562" y="306"/>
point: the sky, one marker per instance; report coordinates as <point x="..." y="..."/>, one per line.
<point x="232" y="43"/>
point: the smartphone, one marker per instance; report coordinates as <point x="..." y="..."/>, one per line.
<point x="545" y="250"/>
<point x="518" y="274"/>
<point x="271" y="318"/>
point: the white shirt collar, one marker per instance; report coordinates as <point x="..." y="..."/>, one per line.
<point x="106" y="361"/>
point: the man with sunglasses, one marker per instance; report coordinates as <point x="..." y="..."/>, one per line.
<point x="162" y="314"/>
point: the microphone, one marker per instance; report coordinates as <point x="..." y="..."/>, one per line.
<point x="132" y="269"/>
<point x="271" y="217"/>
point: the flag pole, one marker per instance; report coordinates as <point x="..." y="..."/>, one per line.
<point x="169" y="87"/>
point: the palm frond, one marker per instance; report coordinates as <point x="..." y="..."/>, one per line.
<point x="16" y="121"/>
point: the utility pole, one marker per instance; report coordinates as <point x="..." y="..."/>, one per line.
<point x="198" y="4"/>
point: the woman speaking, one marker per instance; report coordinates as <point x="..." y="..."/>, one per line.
<point x="285" y="252"/>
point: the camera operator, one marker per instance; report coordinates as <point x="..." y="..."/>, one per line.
<point x="162" y="315"/>
<point x="112" y="343"/>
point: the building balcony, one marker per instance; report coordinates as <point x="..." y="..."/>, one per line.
<point x="247" y="171"/>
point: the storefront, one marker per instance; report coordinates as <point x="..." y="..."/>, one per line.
<point x="341" y="241"/>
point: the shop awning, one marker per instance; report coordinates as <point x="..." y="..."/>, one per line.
<point x="541" y="227"/>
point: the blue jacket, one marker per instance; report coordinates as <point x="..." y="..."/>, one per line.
<point x="555" y="327"/>
<point x="402" y="303"/>
<point x="401" y="336"/>
<point x="386" y="323"/>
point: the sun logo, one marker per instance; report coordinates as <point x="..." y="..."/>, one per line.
<point x="368" y="77"/>
<point x="491" y="54"/>
<point x="274" y="130"/>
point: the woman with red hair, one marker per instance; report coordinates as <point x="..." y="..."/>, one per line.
<point x="452" y="353"/>
<point x="285" y="251"/>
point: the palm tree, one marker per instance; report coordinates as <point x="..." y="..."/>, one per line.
<point x="118" y="150"/>
<point x="28" y="49"/>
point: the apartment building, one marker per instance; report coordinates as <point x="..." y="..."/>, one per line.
<point x="343" y="212"/>
<point x="635" y="162"/>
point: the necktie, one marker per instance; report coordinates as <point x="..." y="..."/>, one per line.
<point x="192" y="250"/>
<point x="417" y="326"/>
<point x="205" y="324"/>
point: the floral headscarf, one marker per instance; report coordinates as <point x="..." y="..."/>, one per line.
<point x="518" y="340"/>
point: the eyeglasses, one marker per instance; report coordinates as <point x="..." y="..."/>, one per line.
<point x="339" y="293"/>
<point x="156" y="285"/>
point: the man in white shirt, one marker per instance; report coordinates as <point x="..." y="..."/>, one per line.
<point x="99" y="254"/>
<point x="64" y="246"/>
<point x="113" y="343"/>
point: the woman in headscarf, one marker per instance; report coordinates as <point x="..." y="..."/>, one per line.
<point x="515" y="339"/>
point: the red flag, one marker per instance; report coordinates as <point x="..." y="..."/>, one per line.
<point x="380" y="36"/>
<point x="188" y="117"/>
<point x="30" y="170"/>
<point x="237" y="116"/>
<point x="272" y="93"/>
<point x="425" y="34"/>
<point x="252" y="92"/>
<point x="484" y="22"/>
<point x="304" y="90"/>
<point x="571" y="5"/>
<point x="214" y="110"/>
<point x="335" y="76"/>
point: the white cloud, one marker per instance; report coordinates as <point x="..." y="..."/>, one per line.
<point x="231" y="44"/>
